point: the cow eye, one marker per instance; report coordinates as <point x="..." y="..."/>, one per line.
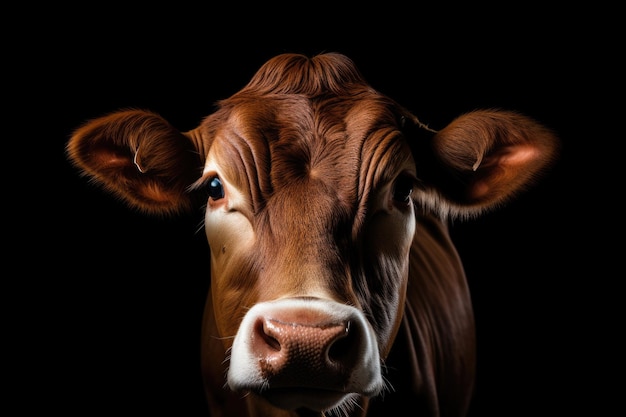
<point x="216" y="189"/>
<point x="402" y="189"/>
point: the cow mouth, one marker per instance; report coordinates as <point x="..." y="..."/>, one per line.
<point x="293" y="398"/>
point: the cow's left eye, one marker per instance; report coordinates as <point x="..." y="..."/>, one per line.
<point x="216" y="189"/>
<point x="402" y="189"/>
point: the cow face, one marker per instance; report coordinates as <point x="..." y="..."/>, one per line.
<point x="309" y="249"/>
<point x="325" y="207"/>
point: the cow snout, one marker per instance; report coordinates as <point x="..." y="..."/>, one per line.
<point x="294" y="351"/>
<point x="307" y="353"/>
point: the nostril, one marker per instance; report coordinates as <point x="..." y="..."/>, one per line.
<point x="343" y="346"/>
<point x="266" y="334"/>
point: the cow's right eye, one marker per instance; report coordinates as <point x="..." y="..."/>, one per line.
<point x="216" y="189"/>
<point x="402" y="189"/>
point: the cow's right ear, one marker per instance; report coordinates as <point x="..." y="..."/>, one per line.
<point x="139" y="157"/>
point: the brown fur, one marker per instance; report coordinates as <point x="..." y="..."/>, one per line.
<point x="314" y="153"/>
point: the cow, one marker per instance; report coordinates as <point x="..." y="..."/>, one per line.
<point x="335" y="287"/>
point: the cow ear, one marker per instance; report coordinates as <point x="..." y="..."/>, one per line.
<point x="139" y="157"/>
<point x="487" y="156"/>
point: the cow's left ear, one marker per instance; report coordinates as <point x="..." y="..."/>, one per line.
<point x="139" y="157"/>
<point x="485" y="157"/>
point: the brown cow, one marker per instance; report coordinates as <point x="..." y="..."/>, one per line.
<point x="335" y="288"/>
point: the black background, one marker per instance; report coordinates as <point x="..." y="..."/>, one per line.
<point x="108" y="314"/>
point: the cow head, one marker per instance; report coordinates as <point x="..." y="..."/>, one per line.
<point x="324" y="203"/>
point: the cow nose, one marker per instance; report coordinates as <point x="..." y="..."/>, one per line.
<point x="305" y="353"/>
<point x="304" y="349"/>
